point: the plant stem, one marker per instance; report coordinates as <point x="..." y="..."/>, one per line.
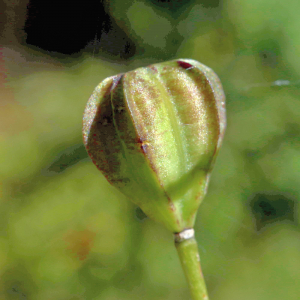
<point x="190" y="261"/>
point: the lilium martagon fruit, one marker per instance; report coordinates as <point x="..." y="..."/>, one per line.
<point x="155" y="133"/>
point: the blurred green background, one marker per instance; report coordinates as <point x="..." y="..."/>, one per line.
<point x="66" y="234"/>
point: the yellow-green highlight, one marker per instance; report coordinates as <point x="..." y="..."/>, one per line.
<point x="190" y="262"/>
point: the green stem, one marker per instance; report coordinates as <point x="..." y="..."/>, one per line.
<point x="190" y="261"/>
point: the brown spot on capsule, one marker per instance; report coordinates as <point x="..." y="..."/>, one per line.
<point x="171" y="204"/>
<point x="144" y="147"/>
<point x="143" y="144"/>
<point x="154" y="69"/>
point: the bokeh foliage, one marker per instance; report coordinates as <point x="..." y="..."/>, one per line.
<point x="67" y="234"/>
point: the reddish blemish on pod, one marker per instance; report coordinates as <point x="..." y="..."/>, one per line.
<point x="184" y="65"/>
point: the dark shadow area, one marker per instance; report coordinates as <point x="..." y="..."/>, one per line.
<point x="176" y="6"/>
<point x="70" y="27"/>
<point x="268" y="209"/>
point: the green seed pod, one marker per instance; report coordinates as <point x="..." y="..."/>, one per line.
<point x="154" y="133"/>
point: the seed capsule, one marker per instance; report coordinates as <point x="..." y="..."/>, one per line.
<point x="154" y="133"/>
